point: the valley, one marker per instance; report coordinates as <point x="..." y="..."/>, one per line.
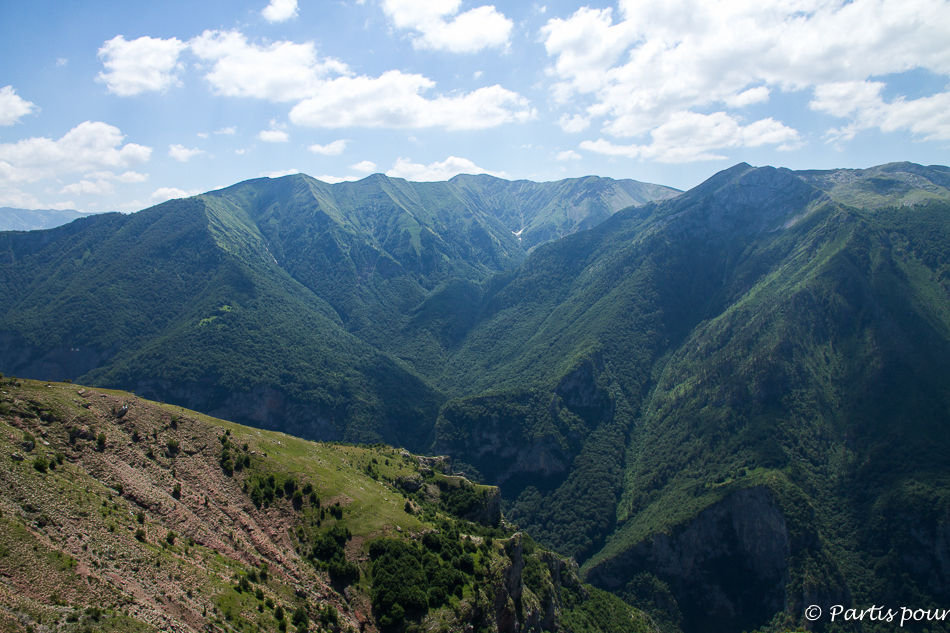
<point x="725" y="404"/>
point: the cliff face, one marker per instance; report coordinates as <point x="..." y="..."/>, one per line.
<point x="727" y="569"/>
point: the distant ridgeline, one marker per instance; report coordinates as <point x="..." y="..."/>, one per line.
<point x="33" y="219"/>
<point x="728" y="405"/>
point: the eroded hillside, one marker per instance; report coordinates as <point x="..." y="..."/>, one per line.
<point x="127" y="515"/>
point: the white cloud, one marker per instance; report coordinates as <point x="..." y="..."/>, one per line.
<point x="667" y="56"/>
<point x="568" y="155"/>
<point x="275" y="134"/>
<point x="282" y="71"/>
<point x="13" y="197"/>
<point x="394" y="100"/>
<point x="451" y="166"/>
<point x="689" y="136"/>
<point x="335" y="179"/>
<point x="862" y="102"/>
<point x="12" y="106"/>
<point x="280" y="10"/>
<point x="575" y="123"/>
<point x="87" y="187"/>
<point x="280" y="174"/>
<point x="182" y="154"/>
<point x="127" y="177"/>
<point x="330" y="149"/>
<point x="89" y="146"/>
<point x="61" y="61"/>
<point x="469" y="32"/>
<point x="227" y="131"/>
<point x="140" y="65"/>
<point x="163" y="194"/>
<point x="366" y="166"/>
<point x="330" y="96"/>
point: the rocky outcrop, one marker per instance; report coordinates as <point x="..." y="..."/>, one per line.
<point x="488" y="511"/>
<point x="728" y="568"/>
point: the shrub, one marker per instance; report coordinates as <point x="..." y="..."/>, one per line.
<point x="101" y="440"/>
<point x="176" y="491"/>
<point x="279" y="613"/>
<point x="300" y="619"/>
<point x="170" y="537"/>
<point x="40" y="464"/>
<point x="140" y="534"/>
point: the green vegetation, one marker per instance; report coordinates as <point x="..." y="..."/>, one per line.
<point x="771" y="337"/>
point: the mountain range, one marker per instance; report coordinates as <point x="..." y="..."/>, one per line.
<point x="34" y="219"/>
<point x="727" y="404"/>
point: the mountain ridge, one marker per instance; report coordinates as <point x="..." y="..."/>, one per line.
<point x="770" y="338"/>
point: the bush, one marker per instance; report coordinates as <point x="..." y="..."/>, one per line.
<point x="279" y="613"/>
<point x="170" y="537"/>
<point x="140" y="534"/>
<point x="40" y="464"/>
<point x="300" y="619"/>
<point x="101" y="440"/>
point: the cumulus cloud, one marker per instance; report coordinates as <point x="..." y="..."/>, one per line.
<point x="575" y="123"/>
<point x="451" y="166"/>
<point x="140" y="65"/>
<point x="280" y="174"/>
<point x="861" y="101"/>
<point x="227" y="131"/>
<point x="90" y="146"/>
<point x="282" y="71"/>
<point x="689" y="136"/>
<point x="330" y="149"/>
<point x="87" y="187"/>
<point x="366" y="166"/>
<point x="275" y="134"/>
<point x="394" y="100"/>
<point x="280" y="10"/>
<point x="163" y="194"/>
<point x="182" y="154"/>
<point x="127" y="177"/>
<point x="436" y="28"/>
<point x="335" y="179"/>
<point x="330" y="95"/>
<point x="13" y="106"/>
<point x="568" y="155"/>
<point x="657" y="57"/>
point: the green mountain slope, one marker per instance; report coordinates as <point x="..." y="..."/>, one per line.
<point x="775" y="362"/>
<point x="278" y="303"/>
<point x="727" y="406"/>
<point x="183" y="302"/>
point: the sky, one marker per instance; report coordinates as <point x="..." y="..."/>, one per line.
<point x="117" y="106"/>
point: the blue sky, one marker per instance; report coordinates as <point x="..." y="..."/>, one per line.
<point x="121" y="105"/>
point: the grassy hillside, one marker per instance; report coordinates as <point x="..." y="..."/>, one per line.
<point x="121" y="514"/>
